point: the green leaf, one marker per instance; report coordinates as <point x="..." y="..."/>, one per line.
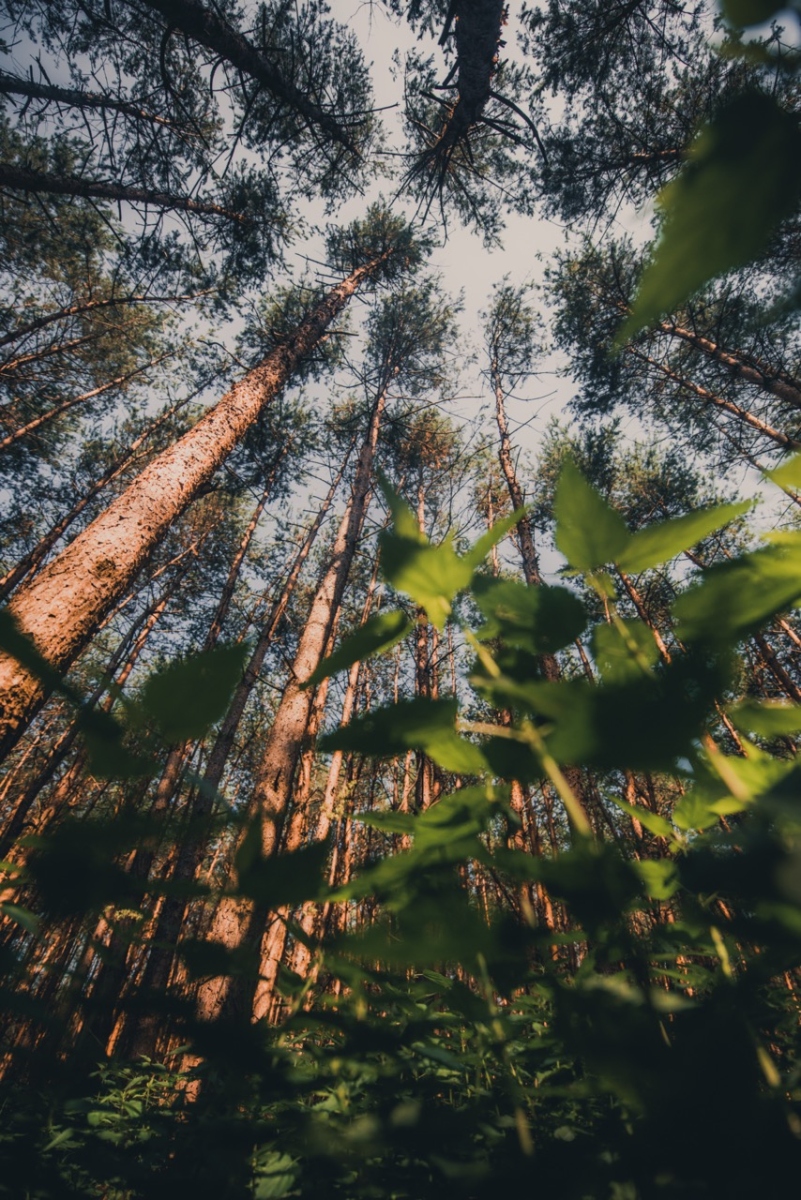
<point x="588" y="532"/>
<point x="659" y="543"/>
<point x="420" y="724"/>
<point x="788" y="473"/>
<point x="753" y="12"/>
<point x="772" y="718"/>
<point x="620" y="656"/>
<point x="186" y="698"/>
<point x="431" y="575"/>
<point x="477" y="553"/>
<point x="693" y="812"/>
<point x="539" y="619"/>
<point x="736" y="597"/>
<point x="659" y="876"/>
<point x="742" y="179"/>
<point x="285" y="879"/>
<point x="375" y="636"/>
<point x="650" y="820"/>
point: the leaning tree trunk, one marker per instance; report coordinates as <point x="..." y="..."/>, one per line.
<point x="61" y="608"/>
<point x="237" y="921"/>
<point x="141" y="1035"/>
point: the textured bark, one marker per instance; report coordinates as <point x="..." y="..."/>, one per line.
<point x="32" y="560"/>
<point x="711" y="398"/>
<point x="23" y="179"/>
<point x="237" y="922"/>
<point x="61" y="608"/>
<point x="204" y="26"/>
<point x="141" y="1036"/>
<point x="742" y="366"/>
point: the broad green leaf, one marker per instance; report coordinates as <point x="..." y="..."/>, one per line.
<point x="693" y="812"/>
<point x="742" y="178"/>
<point x="477" y="553"/>
<point x="388" y="822"/>
<point x="403" y="519"/>
<point x="419" y="724"/>
<point x="539" y="619"/>
<point x="650" y="820"/>
<point x="772" y="718"/>
<point x="588" y="532"/>
<point x="285" y="879"/>
<point x="659" y="877"/>
<point x="431" y="575"/>
<point x="375" y="636"/>
<point x="186" y="698"/>
<point x="621" y="656"/>
<point x="659" y="543"/>
<point x="753" y="12"/>
<point x="736" y="597"/>
<point x="788" y="473"/>
<point x="643" y="723"/>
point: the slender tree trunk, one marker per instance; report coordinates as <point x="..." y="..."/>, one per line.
<point x="141" y="1037"/>
<point x="45" y="418"/>
<point x="711" y="398"/>
<point x="61" y="608"/>
<point x="742" y="366"/>
<point x="12" y="85"/>
<point x="238" y="922"/>
<point x="24" y="179"/>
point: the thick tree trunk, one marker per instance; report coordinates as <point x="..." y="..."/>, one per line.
<point x="32" y="560"/>
<point x="61" y="608"/>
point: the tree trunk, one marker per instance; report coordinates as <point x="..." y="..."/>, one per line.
<point x="206" y="27"/>
<point x="23" y="179"/>
<point x="61" y="608"/>
<point x="141" y="1036"/>
<point x="237" y="921"/>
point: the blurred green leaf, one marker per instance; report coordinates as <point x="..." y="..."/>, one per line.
<point x="753" y="12"/>
<point x="588" y="532"/>
<point x="285" y="879"/>
<point x="419" y="724"/>
<point x="742" y="178"/>
<point x="788" y="473"/>
<point x="375" y="636"/>
<point x="659" y="543"/>
<point x="477" y="553"/>
<point x="539" y="619"/>
<point x="185" y="698"/>
<point x="771" y="718"/>
<point x="659" y="877"/>
<point x="735" y="597"/>
<point x="622" y="655"/>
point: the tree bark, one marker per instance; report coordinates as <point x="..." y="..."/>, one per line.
<point x="60" y="609"/>
<point x="23" y="179"/>
<point x="238" y="922"/>
<point x="206" y="27"/>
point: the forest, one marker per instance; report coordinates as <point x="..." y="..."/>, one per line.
<point x="400" y="567"/>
